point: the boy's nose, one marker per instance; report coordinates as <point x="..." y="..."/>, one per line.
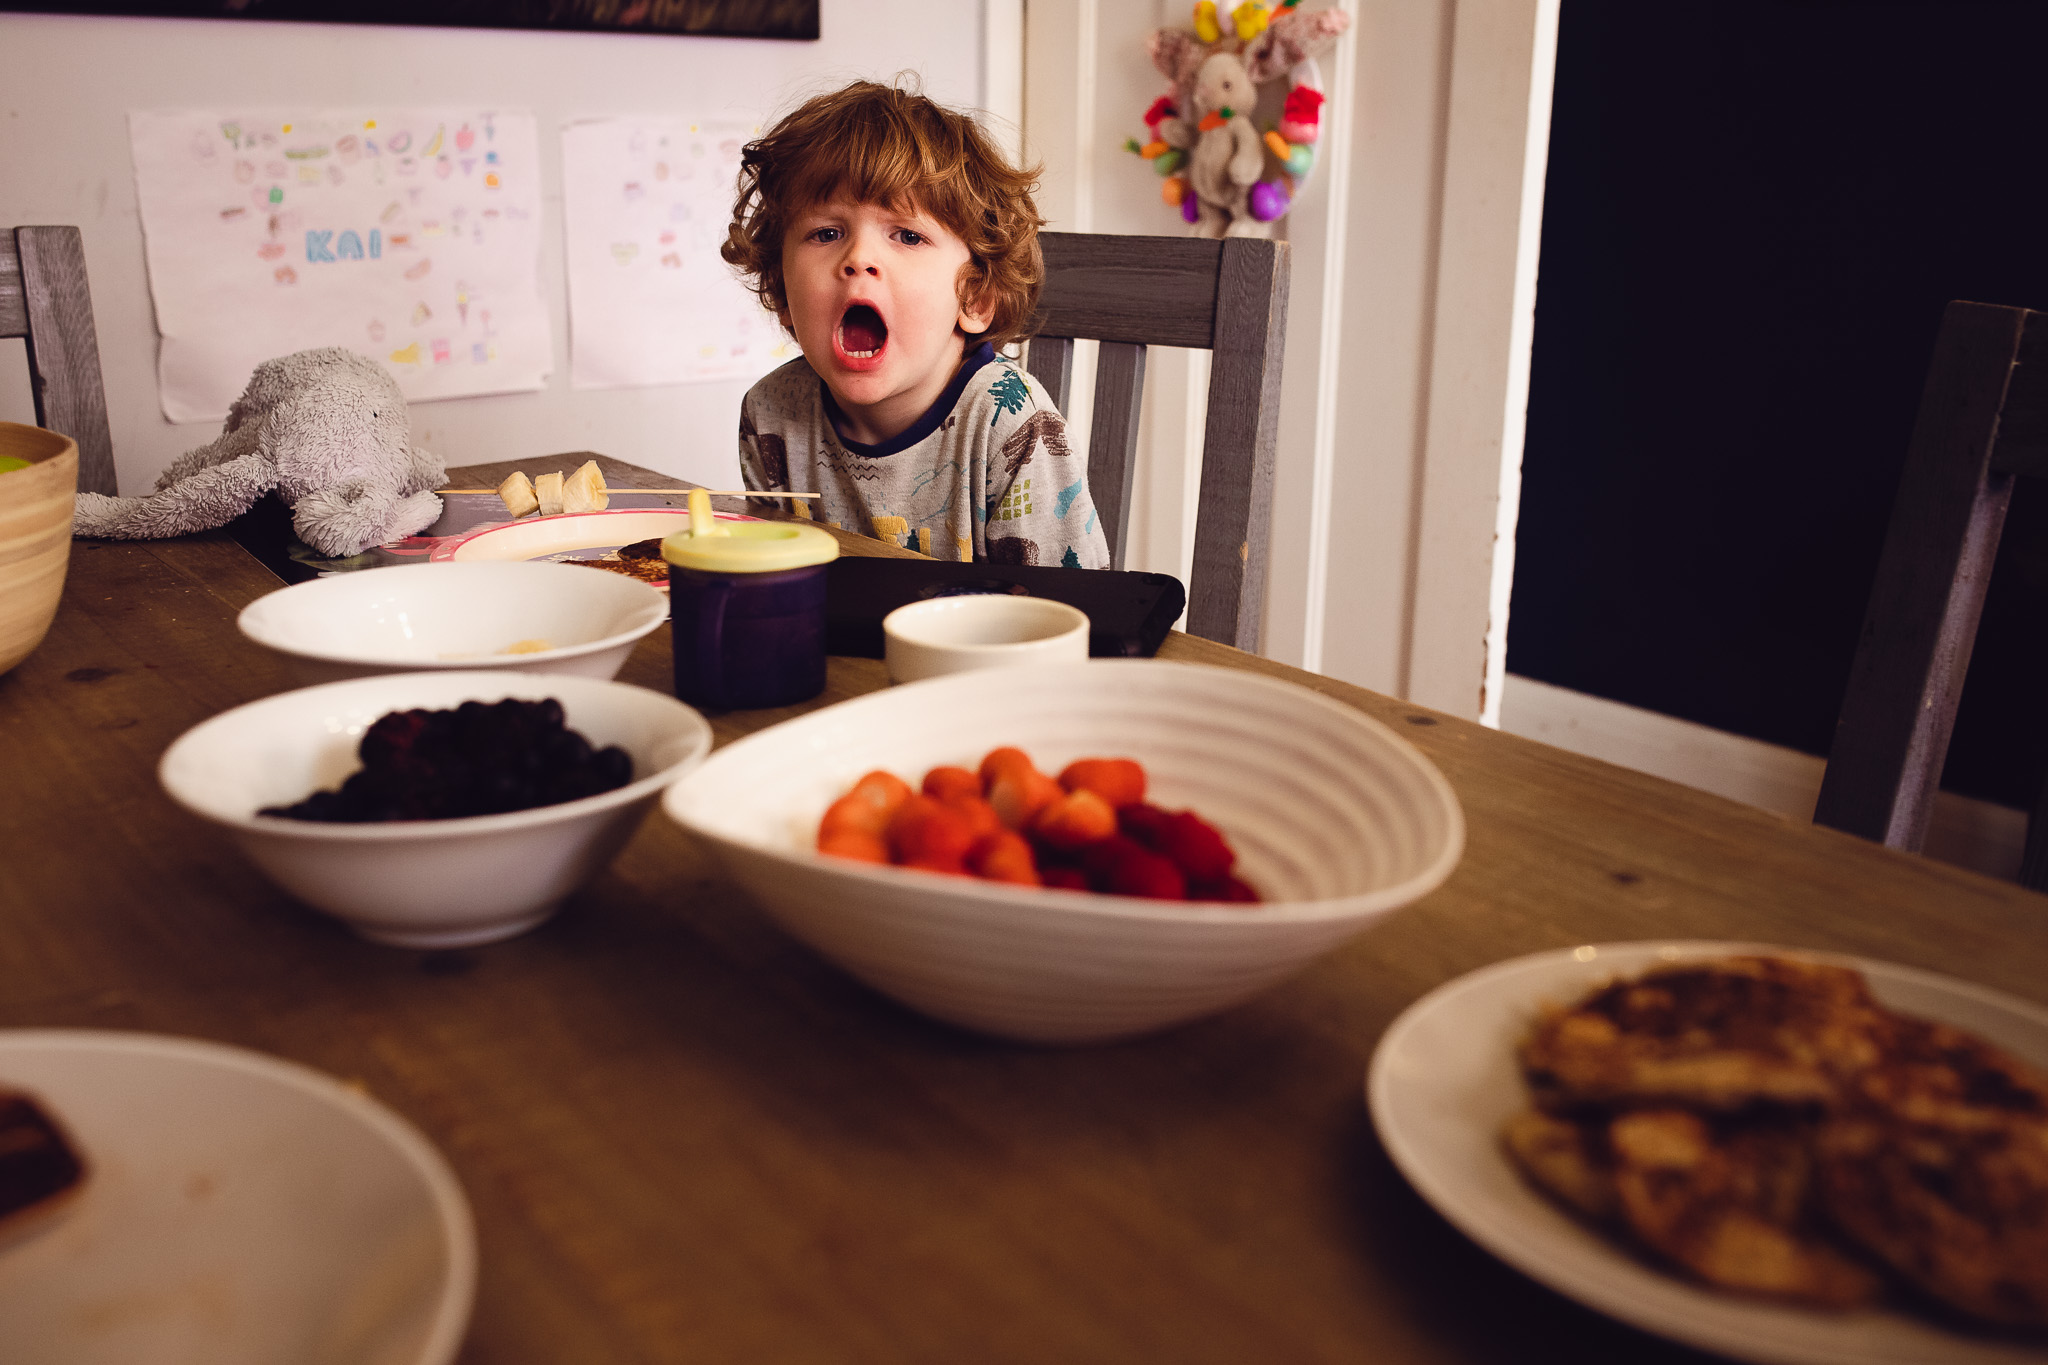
<point x="863" y="255"/>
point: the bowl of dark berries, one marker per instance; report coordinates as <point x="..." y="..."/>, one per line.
<point x="436" y="810"/>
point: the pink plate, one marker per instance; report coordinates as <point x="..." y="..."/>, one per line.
<point x="568" y="535"/>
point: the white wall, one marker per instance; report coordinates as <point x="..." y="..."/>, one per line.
<point x="64" y="159"/>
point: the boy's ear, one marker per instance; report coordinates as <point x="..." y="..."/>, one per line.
<point x="977" y="316"/>
<point x="977" y="311"/>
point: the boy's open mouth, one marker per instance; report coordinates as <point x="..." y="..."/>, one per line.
<point x="862" y="333"/>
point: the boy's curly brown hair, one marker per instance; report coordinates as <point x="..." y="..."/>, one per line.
<point x="877" y="144"/>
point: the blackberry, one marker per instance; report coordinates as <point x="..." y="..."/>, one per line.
<point x="482" y="758"/>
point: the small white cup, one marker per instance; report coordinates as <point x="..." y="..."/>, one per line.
<point x="981" y="630"/>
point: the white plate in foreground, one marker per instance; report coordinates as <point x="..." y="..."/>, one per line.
<point x="1444" y="1079"/>
<point x="237" y="1208"/>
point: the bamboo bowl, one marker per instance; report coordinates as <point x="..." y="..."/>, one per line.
<point x="35" y="535"/>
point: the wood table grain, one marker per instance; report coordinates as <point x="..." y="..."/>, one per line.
<point x="686" y="1138"/>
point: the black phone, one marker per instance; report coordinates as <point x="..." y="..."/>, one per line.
<point x="1128" y="612"/>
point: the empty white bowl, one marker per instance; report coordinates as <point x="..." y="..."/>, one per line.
<point x="425" y="883"/>
<point x="1336" y="821"/>
<point x="944" y="635"/>
<point x="460" y="616"/>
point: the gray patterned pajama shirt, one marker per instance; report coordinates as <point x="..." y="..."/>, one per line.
<point x="985" y="474"/>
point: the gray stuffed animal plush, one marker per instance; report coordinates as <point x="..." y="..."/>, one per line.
<point x="327" y="429"/>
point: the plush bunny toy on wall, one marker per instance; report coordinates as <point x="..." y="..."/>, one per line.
<point x="1204" y="136"/>
<point x="1225" y="153"/>
<point x="327" y="429"/>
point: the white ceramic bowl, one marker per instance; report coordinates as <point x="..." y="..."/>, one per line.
<point x="237" y="1209"/>
<point x="944" y="635"/>
<point x="425" y="883"/>
<point x="1336" y="821"/>
<point x="456" y="617"/>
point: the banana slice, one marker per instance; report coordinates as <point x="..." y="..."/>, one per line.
<point x="583" y="491"/>
<point x="517" y="494"/>
<point x="548" y="489"/>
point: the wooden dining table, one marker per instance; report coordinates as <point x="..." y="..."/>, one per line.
<point x="685" y="1137"/>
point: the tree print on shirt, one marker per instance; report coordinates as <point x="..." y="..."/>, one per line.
<point x="1010" y="394"/>
<point x="1039" y="428"/>
<point x="1012" y="550"/>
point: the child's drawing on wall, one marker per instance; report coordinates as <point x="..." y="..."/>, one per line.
<point x="411" y="236"/>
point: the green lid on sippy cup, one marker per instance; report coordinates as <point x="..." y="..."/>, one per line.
<point x="714" y="546"/>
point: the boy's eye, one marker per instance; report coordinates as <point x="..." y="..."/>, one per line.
<point x="912" y="237"/>
<point x="825" y="234"/>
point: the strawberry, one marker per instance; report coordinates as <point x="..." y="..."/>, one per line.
<point x="1124" y="867"/>
<point x="1119" y="781"/>
<point x="1233" y="889"/>
<point x="1075" y="820"/>
<point x="1003" y="760"/>
<point x="1067" y="878"/>
<point x="1196" y="847"/>
<point x="981" y="817"/>
<point x="951" y="785"/>
<point x="1020" y="793"/>
<point x="1146" y="824"/>
<point x="852" y="814"/>
<point x="1004" y="856"/>
<point x="856" y="844"/>
<point x="924" y="832"/>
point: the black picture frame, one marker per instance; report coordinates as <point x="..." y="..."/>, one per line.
<point x="788" y="19"/>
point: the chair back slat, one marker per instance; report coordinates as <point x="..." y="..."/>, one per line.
<point x="13" y="298"/>
<point x="1227" y="598"/>
<point x="1228" y="297"/>
<point x="1899" y="709"/>
<point x="1113" y="440"/>
<point x="1158" y="291"/>
<point x="1051" y="362"/>
<point x="63" y="347"/>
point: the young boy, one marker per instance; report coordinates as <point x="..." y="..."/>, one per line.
<point x="900" y="249"/>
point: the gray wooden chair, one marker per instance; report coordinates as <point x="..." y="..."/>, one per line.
<point x="1983" y="422"/>
<point x="44" y="299"/>
<point x="1227" y="297"/>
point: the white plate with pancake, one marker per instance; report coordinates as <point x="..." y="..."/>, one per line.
<point x="236" y="1209"/>
<point x="1444" y="1080"/>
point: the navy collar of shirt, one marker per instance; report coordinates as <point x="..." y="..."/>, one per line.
<point x="934" y="416"/>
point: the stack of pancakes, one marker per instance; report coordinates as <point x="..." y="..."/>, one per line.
<point x="1766" y="1126"/>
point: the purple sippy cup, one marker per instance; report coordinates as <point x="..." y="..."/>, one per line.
<point x="747" y="609"/>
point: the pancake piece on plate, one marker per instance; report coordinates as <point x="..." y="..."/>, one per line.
<point x="1709" y="1035"/>
<point x="1731" y="1201"/>
<point x="1937" y="1162"/>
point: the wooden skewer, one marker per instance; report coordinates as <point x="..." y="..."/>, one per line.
<point x="744" y="493"/>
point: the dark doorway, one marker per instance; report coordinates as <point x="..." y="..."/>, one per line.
<point x="1753" y="218"/>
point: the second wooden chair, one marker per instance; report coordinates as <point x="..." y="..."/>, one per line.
<point x="1227" y="297"/>
<point x="1983" y="422"/>
<point x="45" y="301"/>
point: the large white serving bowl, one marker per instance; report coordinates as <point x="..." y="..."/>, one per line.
<point x="459" y="616"/>
<point x="237" y="1210"/>
<point x="1336" y="821"/>
<point x="425" y="883"/>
